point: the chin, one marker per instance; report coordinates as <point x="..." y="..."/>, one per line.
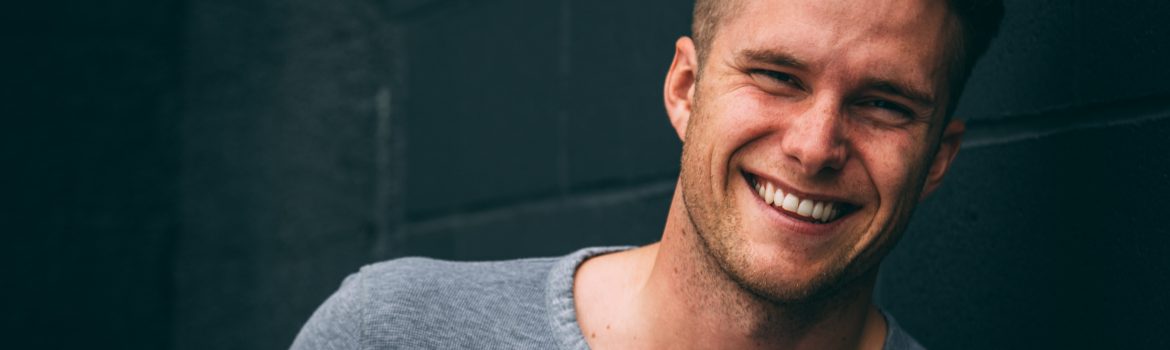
<point x="785" y="277"/>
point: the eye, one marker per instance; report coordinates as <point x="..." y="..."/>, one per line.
<point x="885" y="112"/>
<point x="771" y="76"/>
<point x="888" y="106"/>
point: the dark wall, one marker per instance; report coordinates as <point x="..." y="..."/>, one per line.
<point x="89" y="157"/>
<point x="202" y="174"/>
<point x="1046" y="233"/>
<point x="281" y="181"/>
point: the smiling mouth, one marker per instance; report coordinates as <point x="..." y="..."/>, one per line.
<point x="815" y="211"/>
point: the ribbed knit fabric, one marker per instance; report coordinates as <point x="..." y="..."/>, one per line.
<point x="420" y="303"/>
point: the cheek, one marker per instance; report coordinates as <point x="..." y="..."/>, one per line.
<point x="746" y="112"/>
<point x="893" y="159"/>
<point x="712" y="140"/>
<point x="732" y="121"/>
<point x="748" y="115"/>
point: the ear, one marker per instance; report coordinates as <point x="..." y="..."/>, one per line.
<point x="679" y="91"/>
<point x="947" y="149"/>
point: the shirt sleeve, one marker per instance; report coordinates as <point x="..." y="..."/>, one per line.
<point x="337" y="323"/>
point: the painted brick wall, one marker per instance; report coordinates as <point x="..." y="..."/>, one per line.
<point x="89" y="101"/>
<point x="202" y="174"/>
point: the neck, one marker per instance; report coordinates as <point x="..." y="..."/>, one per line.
<point x="689" y="299"/>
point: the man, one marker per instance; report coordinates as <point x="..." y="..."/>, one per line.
<point x="810" y="128"/>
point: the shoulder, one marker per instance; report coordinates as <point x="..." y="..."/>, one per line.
<point x="422" y="302"/>
<point x="441" y="290"/>
<point x="411" y="275"/>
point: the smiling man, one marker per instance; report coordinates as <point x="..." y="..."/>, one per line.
<point x="811" y="129"/>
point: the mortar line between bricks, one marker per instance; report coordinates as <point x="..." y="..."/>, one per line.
<point x="579" y="201"/>
<point x="1022" y="127"/>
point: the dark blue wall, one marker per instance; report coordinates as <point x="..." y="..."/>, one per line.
<point x="89" y="103"/>
<point x="1047" y="233"/>
<point x="202" y="174"/>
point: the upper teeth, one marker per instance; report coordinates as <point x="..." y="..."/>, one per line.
<point x="774" y="196"/>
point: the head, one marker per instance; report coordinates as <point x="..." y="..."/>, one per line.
<point x="841" y="108"/>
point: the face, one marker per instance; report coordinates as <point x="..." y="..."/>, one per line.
<point x="812" y="131"/>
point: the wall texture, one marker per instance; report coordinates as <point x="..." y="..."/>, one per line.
<point x="89" y="98"/>
<point x="202" y="174"/>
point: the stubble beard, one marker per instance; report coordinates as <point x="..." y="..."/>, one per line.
<point x="717" y="226"/>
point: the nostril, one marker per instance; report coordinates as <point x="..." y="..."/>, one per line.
<point x="815" y="143"/>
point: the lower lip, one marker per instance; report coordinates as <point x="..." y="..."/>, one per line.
<point x="789" y="222"/>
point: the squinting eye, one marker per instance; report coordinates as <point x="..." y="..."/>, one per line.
<point x="894" y="107"/>
<point x="779" y="77"/>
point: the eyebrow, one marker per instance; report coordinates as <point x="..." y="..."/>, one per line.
<point x="779" y="58"/>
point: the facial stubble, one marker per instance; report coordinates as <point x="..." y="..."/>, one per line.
<point x="718" y="227"/>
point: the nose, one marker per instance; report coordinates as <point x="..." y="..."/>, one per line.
<point x="813" y="139"/>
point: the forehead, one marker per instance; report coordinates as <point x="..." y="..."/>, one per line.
<point x="901" y="39"/>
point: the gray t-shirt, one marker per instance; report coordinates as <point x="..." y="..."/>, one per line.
<point x="419" y="303"/>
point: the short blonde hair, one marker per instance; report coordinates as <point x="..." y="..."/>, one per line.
<point x="708" y="14"/>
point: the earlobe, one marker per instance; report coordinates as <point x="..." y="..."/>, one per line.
<point x="679" y="91"/>
<point x="948" y="148"/>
